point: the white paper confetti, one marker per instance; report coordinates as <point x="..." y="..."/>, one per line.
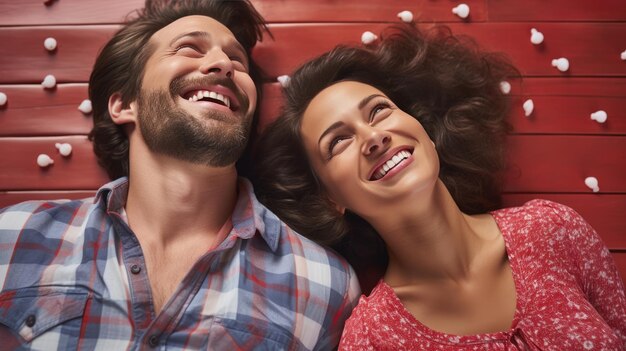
<point x="599" y="116"/>
<point x="49" y="82"/>
<point x="65" y="149"/>
<point x="85" y="106"/>
<point x="44" y="160"/>
<point x="368" y="37"/>
<point x="529" y="107"/>
<point x="592" y="183"/>
<point x="283" y="80"/>
<point x="536" y="37"/>
<point x="50" y="44"/>
<point x="505" y="87"/>
<point x="406" y="16"/>
<point x="461" y="10"/>
<point x="562" y="64"/>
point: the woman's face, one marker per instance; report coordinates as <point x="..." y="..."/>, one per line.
<point x="366" y="152"/>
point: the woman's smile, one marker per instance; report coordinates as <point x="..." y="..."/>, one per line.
<point x="392" y="163"/>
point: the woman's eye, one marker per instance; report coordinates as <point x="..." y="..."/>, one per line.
<point x="334" y="143"/>
<point x="378" y="108"/>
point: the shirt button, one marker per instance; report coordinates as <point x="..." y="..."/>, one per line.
<point x="135" y="269"/>
<point x="153" y="341"/>
<point x="30" y="320"/>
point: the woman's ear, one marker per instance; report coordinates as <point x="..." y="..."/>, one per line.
<point x="120" y="114"/>
<point x="339" y="208"/>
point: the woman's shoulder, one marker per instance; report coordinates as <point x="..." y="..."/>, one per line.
<point x="374" y="316"/>
<point x="541" y="206"/>
<point x="538" y="211"/>
<point x="376" y="303"/>
<point x="543" y="223"/>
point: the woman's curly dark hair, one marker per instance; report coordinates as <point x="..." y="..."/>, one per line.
<point x="120" y="65"/>
<point x="445" y="81"/>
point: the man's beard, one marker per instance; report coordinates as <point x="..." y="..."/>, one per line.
<point x="212" y="139"/>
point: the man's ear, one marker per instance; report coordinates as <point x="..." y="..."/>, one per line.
<point x="120" y="114"/>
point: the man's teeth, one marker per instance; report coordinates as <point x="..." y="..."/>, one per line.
<point x="394" y="161"/>
<point x="201" y="94"/>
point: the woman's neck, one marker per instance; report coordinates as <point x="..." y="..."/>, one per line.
<point x="429" y="239"/>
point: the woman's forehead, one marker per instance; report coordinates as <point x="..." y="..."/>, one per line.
<point x="338" y="101"/>
<point x="343" y="93"/>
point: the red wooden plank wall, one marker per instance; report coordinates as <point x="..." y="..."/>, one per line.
<point x="551" y="152"/>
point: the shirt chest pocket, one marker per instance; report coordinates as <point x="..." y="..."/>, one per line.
<point x="32" y="312"/>
<point x="230" y="334"/>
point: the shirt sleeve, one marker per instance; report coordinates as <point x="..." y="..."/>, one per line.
<point x="598" y="274"/>
<point x="351" y="295"/>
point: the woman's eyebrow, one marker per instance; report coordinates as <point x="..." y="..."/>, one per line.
<point x="368" y="99"/>
<point x="332" y="127"/>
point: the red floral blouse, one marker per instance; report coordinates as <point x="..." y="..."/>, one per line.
<point x="569" y="293"/>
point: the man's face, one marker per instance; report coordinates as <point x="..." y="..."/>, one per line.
<point x="197" y="98"/>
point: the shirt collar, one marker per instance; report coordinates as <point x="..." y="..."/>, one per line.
<point x="249" y="216"/>
<point x="112" y="195"/>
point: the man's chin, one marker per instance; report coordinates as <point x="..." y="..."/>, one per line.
<point x="198" y="135"/>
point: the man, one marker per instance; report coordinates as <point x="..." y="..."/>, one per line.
<point x="177" y="253"/>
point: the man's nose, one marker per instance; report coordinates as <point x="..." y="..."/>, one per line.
<point x="217" y="62"/>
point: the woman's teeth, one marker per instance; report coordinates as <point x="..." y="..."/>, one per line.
<point x="389" y="165"/>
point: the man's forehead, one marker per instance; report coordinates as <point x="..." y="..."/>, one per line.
<point x="191" y="24"/>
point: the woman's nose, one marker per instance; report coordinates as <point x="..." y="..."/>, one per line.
<point x="376" y="141"/>
<point x="217" y="62"/>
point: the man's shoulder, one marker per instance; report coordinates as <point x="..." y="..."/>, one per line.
<point x="292" y="242"/>
<point x="33" y="205"/>
<point x="289" y="242"/>
<point x="43" y="214"/>
<point x="322" y="273"/>
<point x="318" y="264"/>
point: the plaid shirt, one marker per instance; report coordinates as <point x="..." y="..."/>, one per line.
<point x="72" y="279"/>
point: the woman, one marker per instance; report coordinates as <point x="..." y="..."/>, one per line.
<point x="402" y="142"/>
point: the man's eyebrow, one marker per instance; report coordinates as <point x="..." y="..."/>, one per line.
<point x="207" y="36"/>
<point x="195" y="34"/>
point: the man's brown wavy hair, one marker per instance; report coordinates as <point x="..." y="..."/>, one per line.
<point x="444" y="81"/>
<point x="120" y="65"/>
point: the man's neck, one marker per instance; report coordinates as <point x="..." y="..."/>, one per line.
<point x="177" y="200"/>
